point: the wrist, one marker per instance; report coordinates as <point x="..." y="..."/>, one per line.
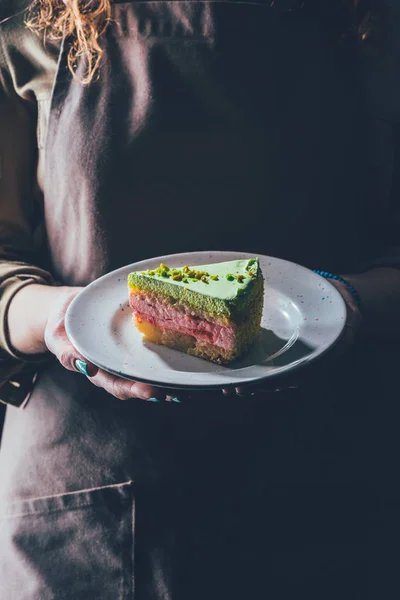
<point x="28" y="315"/>
<point x="352" y="299"/>
<point x="344" y="284"/>
<point x="354" y="314"/>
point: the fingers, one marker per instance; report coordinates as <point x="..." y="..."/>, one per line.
<point x="252" y="390"/>
<point x="68" y="356"/>
<point x="123" y="389"/>
<point x="244" y="391"/>
<point x="73" y="361"/>
<point x="241" y="391"/>
<point x="86" y="368"/>
<point x="228" y="391"/>
<point x="170" y="398"/>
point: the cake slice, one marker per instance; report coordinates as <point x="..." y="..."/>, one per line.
<point x="210" y="311"/>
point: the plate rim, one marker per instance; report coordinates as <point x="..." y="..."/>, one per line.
<point x="272" y="375"/>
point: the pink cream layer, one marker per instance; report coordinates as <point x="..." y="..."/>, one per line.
<point x="166" y="316"/>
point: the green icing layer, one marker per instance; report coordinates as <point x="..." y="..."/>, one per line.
<point x="226" y="287"/>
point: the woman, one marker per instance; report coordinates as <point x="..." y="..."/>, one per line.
<point x="132" y="130"/>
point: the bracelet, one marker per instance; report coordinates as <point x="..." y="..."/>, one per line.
<point x="351" y="288"/>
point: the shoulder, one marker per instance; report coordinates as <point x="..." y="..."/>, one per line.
<point x="27" y="63"/>
<point x="12" y="26"/>
<point x="12" y="20"/>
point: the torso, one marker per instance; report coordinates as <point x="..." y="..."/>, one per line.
<point x="213" y="125"/>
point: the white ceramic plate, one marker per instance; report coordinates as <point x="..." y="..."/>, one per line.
<point x="304" y="315"/>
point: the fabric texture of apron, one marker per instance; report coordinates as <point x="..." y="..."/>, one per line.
<point x="213" y="125"/>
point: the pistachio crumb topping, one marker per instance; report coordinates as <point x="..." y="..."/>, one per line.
<point x="190" y="275"/>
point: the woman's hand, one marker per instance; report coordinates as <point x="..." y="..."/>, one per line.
<point x="58" y="343"/>
<point x="42" y="328"/>
<point x="348" y="338"/>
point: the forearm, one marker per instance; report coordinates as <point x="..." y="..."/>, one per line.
<point x="27" y="316"/>
<point x="379" y="290"/>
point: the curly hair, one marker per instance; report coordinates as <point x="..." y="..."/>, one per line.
<point x="85" y="21"/>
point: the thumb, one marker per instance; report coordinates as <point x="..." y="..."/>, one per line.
<point x="72" y="360"/>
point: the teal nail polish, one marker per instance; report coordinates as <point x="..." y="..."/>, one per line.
<point x="176" y="400"/>
<point x="82" y="367"/>
<point x="154" y="400"/>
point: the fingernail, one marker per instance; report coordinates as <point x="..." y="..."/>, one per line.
<point x="154" y="400"/>
<point x="82" y="367"/>
<point x="176" y="400"/>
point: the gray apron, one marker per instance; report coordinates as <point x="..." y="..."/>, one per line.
<point x="212" y="125"/>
